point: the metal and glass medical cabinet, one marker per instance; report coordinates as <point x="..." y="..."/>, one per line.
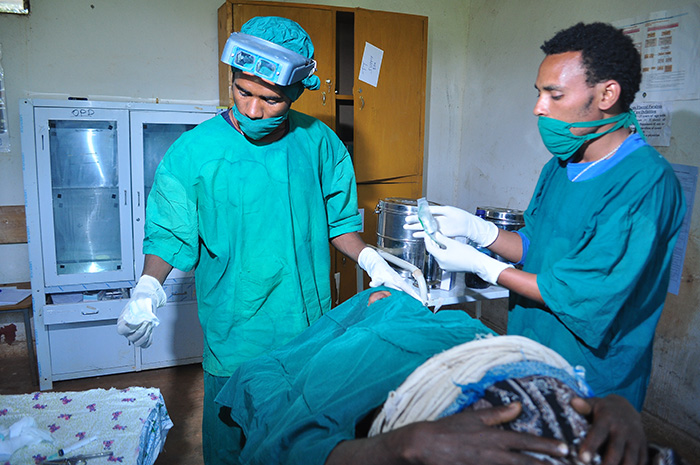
<point x="88" y="169"/>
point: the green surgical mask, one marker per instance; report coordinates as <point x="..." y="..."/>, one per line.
<point x="559" y="140"/>
<point x="256" y="129"/>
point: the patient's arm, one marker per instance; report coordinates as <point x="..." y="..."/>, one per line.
<point x="463" y="438"/>
<point x="616" y="431"/>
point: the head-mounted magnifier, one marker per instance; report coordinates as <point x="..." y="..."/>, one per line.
<point x="266" y="59"/>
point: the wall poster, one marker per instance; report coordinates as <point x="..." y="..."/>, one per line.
<point x="670" y="49"/>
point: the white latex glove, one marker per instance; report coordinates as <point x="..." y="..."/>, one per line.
<point x="456" y="222"/>
<point x="138" y="318"/>
<point x="382" y="274"/>
<point x="462" y="257"/>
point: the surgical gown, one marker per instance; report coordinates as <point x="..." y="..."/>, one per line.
<point x="254" y="220"/>
<point x="601" y="249"/>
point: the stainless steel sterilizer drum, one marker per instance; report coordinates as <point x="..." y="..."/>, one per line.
<point x="505" y="218"/>
<point x="393" y="238"/>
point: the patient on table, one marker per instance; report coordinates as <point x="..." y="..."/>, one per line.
<point x="381" y="370"/>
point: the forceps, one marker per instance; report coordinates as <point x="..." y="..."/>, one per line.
<point x="76" y="459"/>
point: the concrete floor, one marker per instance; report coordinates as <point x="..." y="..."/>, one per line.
<point x="181" y="387"/>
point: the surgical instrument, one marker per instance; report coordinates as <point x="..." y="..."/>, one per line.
<point x="77" y="459"/>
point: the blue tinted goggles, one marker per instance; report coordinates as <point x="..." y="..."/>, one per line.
<point x="266" y="59"/>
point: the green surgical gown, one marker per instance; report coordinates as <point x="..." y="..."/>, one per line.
<point x="254" y="220"/>
<point x="601" y="249"/>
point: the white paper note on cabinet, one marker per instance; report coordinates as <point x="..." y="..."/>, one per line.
<point x="371" y="64"/>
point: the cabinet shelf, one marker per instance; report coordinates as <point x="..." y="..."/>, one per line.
<point x="343" y="97"/>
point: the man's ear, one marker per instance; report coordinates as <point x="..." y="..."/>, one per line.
<point x="610" y="92"/>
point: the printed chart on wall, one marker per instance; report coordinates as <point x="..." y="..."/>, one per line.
<point x="667" y="41"/>
<point x="670" y="52"/>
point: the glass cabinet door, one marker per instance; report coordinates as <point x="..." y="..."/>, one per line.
<point x="152" y="134"/>
<point x="84" y="185"/>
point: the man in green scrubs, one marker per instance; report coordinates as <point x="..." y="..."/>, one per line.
<point x="250" y="200"/>
<point x="600" y="229"/>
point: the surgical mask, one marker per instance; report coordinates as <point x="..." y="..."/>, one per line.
<point x="256" y="129"/>
<point x="559" y="140"/>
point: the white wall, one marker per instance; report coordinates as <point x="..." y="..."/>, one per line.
<point x="165" y="50"/>
<point x="482" y="145"/>
<point x="501" y="152"/>
<point x="104" y="50"/>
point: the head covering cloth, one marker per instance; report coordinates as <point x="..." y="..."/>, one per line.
<point x="488" y="372"/>
<point x="290" y="35"/>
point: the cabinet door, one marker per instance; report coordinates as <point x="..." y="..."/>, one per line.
<point x="177" y="339"/>
<point x="389" y="118"/>
<point x="152" y="134"/>
<point x="89" y="349"/>
<point x="82" y="157"/>
<point x="318" y="23"/>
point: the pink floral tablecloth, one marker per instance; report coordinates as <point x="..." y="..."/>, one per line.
<point x="132" y="423"/>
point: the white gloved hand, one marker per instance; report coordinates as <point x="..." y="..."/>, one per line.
<point x="382" y="274"/>
<point x="456" y="222"/>
<point x="138" y="318"/>
<point x="462" y="257"/>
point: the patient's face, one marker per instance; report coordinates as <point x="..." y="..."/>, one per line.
<point x="373" y="297"/>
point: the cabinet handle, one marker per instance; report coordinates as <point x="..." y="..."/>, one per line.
<point x="90" y="313"/>
<point x="362" y="103"/>
<point x="124" y="196"/>
<point x="323" y="94"/>
<point x="138" y="198"/>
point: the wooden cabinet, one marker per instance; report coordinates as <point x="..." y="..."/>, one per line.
<point x="389" y="118"/>
<point x="382" y="125"/>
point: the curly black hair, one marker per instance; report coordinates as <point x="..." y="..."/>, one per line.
<point x="607" y="53"/>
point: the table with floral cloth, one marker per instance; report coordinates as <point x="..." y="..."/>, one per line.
<point x="132" y="423"/>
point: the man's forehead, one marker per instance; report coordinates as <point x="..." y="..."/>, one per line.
<point x="560" y="70"/>
<point x="248" y="81"/>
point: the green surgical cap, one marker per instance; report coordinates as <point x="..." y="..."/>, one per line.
<point x="290" y="35"/>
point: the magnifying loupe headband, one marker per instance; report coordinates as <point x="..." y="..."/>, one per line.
<point x="266" y="59"/>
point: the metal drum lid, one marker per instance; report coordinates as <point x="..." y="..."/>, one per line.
<point x="508" y="218"/>
<point x="397" y="205"/>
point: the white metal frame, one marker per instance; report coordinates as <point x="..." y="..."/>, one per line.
<point x="76" y="340"/>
